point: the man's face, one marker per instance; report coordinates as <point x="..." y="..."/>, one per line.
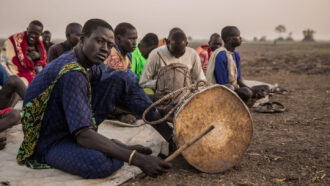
<point x="98" y="45"/>
<point x="127" y="42"/>
<point x="33" y="33"/>
<point x="177" y="48"/>
<point x="46" y="37"/>
<point x="74" y="37"/>
<point x="215" y="43"/>
<point x="235" y="38"/>
<point x="146" y="50"/>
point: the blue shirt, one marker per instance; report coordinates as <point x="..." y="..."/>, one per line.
<point x="221" y="72"/>
<point x="68" y="107"/>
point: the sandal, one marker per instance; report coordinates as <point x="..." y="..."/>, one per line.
<point x="278" y="107"/>
<point x="270" y="107"/>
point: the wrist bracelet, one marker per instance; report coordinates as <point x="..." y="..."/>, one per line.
<point x="131" y="157"/>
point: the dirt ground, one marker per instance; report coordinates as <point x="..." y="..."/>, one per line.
<point x="289" y="148"/>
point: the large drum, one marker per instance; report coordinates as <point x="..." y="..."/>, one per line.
<point x="223" y="147"/>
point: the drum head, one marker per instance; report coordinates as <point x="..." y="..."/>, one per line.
<point x="226" y="143"/>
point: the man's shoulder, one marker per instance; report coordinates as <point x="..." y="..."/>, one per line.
<point x="221" y="57"/>
<point x="114" y="52"/>
<point x="222" y="54"/>
<point x="162" y="50"/>
<point x="16" y="34"/>
<point x="191" y="50"/>
<point x="56" y="46"/>
<point x="68" y="56"/>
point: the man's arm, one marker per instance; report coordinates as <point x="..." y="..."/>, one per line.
<point x="149" y="71"/>
<point x="52" y="54"/>
<point x="238" y="66"/>
<point x="197" y="71"/>
<point x="152" y="166"/>
<point x="221" y="74"/>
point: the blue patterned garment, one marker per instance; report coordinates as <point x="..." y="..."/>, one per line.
<point x="69" y="110"/>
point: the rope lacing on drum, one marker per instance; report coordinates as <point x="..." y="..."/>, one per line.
<point x="171" y="96"/>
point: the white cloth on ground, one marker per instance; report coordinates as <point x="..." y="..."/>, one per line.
<point x="21" y="175"/>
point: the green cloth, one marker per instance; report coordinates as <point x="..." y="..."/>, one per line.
<point x="138" y="62"/>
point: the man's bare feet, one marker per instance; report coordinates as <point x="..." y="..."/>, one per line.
<point x="127" y="118"/>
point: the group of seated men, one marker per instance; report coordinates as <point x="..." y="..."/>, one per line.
<point x="87" y="78"/>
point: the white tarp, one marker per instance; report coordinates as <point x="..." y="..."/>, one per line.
<point x="11" y="172"/>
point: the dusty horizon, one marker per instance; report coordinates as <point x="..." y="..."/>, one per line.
<point x="255" y="18"/>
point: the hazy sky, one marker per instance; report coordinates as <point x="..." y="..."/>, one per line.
<point x="198" y="18"/>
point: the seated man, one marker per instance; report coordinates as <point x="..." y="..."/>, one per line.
<point x="175" y="51"/>
<point x="72" y="33"/>
<point x="23" y="54"/>
<point x="10" y="87"/>
<point x="205" y="51"/>
<point x="125" y="43"/>
<point x="46" y="37"/>
<point x="64" y="105"/>
<point x="224" y="66"/>
<point x="142" y="51"/>
<point x="120" y="59"/>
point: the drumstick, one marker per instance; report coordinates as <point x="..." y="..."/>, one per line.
<point x="161" y="57"/>
<point x="183" y="147"/>
<point x="186" y="145"/>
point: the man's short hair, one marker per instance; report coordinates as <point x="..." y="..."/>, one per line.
<point x="150" y="39"/>
<point x="37" y="23"/>
<point x="92" y="25"/>
<point x="214" y="35"/>
<point x="46" y="32"/>
<point x="177" y="35"/>
<point x="123" y="28"/>
<point x="227" y="32"/>
<point x="173" y="30"/>
<point x="70" y="27"/>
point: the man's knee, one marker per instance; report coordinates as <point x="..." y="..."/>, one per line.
<point x="244" y="93"/>
<point x="13" y="80"/>
<point x="9" y="120"/>
<point x="231" y="87"/>
<point x="15" y="116"/>
<point x="102" y="169"/>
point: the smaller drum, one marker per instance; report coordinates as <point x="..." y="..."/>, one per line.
<point x="223" y="147"/>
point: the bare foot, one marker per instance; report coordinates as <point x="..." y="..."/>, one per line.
<point x="127" y="118"/>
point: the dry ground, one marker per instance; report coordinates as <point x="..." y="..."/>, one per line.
<point x="290" y="148"/>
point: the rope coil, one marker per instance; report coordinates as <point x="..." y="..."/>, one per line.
<point x="190" y="90"/>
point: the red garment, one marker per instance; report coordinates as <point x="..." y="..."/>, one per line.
<point x="5" y="111"/>
<point x="26" y="67"/>
<point x="204" y="53"/>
